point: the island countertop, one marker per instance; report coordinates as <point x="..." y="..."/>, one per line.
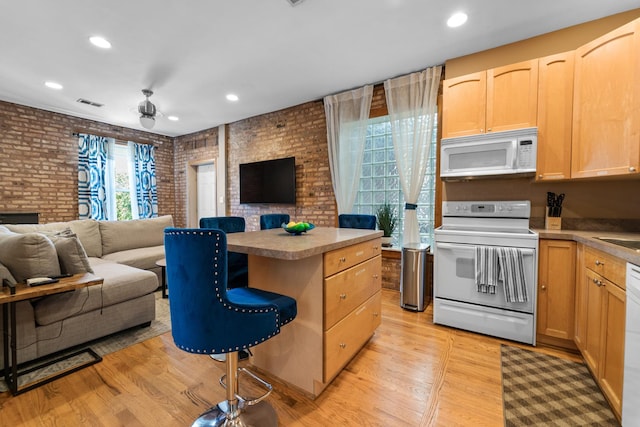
<point x="277" y="243"/>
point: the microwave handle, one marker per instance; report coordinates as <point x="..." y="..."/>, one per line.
<point x="514" y="143"/>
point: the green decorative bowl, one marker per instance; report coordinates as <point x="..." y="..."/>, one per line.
<point x="299" y="228"/>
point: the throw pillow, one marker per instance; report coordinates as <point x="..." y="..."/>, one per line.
<point x="28" y="255"/>
<point x="71" y="254"/>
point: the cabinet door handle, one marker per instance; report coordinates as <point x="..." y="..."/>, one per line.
<point x="544" y="287"/>
<point x="632" y="169"/>
<point x="343" y="296"/>
<point x="343" y="345"/>
<point x="599" y="262"/>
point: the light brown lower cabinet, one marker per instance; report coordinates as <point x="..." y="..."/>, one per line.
<point x="556" y="292"/>
<point x="600" y="320"/>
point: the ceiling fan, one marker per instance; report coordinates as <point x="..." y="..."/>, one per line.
<point x="147" y="110"/>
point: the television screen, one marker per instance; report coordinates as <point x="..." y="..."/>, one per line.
<point x="269" y="181"/>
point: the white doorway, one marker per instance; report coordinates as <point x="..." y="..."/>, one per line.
<point x="201" y="191"/>
<point x="206" y="185"/>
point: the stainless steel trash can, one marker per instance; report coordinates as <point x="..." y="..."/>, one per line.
<point x="413" y="278"/>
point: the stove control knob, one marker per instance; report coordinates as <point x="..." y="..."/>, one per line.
<point x="509" y="208"/>
<point x="465" y="208"/>
<point x="500" y="207"/>
<point x="457" y="208"/>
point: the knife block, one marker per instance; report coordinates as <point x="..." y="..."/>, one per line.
<point x="552" y="222"/>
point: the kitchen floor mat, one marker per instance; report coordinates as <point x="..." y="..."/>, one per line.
<point x="543" y="390"/>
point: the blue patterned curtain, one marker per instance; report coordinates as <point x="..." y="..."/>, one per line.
<point x="92" y="176"/>
<point x="144" y="170"/>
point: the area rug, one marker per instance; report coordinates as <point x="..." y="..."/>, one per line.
<point x="104" y="346"/>
<point x="543" y="390"/>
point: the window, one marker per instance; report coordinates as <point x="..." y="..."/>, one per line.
<point x="380" y="183"/>
<point x="116" y="181"/>
<point x="122" y="187"/>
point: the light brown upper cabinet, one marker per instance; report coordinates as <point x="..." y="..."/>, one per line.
<point x="512" y="96"/>
<point x="606" y="117"/>
<point x="555" y="109"/>
<point x="464" y="105"/>
<point x="495" y="100"/>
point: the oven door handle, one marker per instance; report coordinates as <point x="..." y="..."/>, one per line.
<point x="525" y="251"/>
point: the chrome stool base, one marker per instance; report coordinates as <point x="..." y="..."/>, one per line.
<point x="260" y="415"/>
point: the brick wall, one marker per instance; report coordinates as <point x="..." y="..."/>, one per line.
<point x="190" y="149"/>
<point x="391" y="270"/>
<point x="298" y="131"/>
<point x="39" y="161"/>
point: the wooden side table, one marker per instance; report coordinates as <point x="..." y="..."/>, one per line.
<point x="162" y="263"/>
<point x="10" y="295"/>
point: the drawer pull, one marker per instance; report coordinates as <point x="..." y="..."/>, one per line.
<point x="598" y="262"/>
<point x="598" y="282"/>
<point x="375" y="276"/>
<point x="343" y="296"/>
<point x="343" y="259"/>
<point x="343" y="345"/>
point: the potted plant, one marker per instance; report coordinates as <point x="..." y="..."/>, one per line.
<point x="386" y="220"/>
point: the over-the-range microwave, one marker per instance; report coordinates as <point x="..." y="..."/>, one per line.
<point x="491" y="154"/>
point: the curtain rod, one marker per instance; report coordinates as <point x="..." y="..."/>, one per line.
<point x="77" y="134"/>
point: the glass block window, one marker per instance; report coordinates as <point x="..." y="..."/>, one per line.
<point x="380" y="183"/>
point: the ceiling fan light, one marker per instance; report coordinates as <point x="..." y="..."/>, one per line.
<point x="147" y="110"/>
<point x="147" y="121"/>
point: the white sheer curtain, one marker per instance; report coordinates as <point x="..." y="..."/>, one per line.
<point x="347" y="115"/>
<point x="412" y="105"/>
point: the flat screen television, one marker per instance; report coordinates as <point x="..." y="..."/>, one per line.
<point x="269" y="181"/>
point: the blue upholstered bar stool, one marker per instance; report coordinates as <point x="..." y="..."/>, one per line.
<point x="268" y="221"/>
<point x="209" y="318"/>
<point x="357" y="221"/>
<point x="238" y="271"/>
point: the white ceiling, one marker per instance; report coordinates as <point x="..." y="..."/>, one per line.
<point x="191" y="53"/>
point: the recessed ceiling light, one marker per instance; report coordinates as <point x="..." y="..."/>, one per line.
<point x="232" y="97"/>
<point x="100" y="42"/>
<point x="457" y="19"/>
<point x="173" y="118"/>
<point x="53" y="85"/>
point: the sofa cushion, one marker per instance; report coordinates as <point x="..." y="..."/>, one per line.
<point x="28" y="255"/>
<point x="138" y="233"/>
<point x="144" y="258"/>
<point x="121" y="283"/>
<point x="6" y="274"/>
<point x="87" y="230"/>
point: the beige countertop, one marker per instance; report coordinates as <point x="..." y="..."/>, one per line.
<point x="589" y="238"/>
<point x="277" y="243"/>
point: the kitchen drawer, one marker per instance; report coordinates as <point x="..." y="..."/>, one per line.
<point x="344" y="291"/>
<point x="343" y="340"/>
<point x="340" y="259"/>
<point x="608" y="266"/>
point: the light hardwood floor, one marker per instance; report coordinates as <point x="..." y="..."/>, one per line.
<point x="411" y="373"/>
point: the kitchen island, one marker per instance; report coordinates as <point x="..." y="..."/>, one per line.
<point x="335" y="276"/>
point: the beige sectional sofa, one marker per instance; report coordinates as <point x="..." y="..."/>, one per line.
<point x="123" y="253"/>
